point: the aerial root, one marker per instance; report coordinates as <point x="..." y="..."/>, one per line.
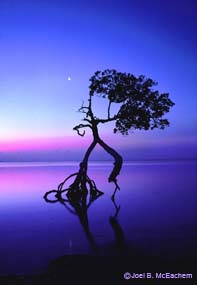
<point x="81" y="186"/>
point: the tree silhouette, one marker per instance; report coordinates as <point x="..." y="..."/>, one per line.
<point x="140" y="107"/>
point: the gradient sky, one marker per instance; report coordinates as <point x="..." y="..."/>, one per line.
<point x="42" y="43"/>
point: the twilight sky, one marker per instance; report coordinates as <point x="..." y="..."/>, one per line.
<point x="42" y="43"/>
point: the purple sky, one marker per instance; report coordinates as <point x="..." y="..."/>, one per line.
<point x="42" y="43"/>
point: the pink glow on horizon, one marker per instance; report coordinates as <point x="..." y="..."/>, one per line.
<point x="75" y="142"/>
<point x="44" y="144"/>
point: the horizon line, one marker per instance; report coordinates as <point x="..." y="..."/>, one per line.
<point x="56" y="163"/>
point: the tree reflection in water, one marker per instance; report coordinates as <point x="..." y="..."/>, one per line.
<point x="78" y="203"/>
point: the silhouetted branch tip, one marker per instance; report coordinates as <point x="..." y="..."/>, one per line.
<point x="78" y="127"/>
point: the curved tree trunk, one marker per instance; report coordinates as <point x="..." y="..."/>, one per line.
<point x="117" y="161"/>
<point x="84" y="164"/>
<point x="82" y="174"/>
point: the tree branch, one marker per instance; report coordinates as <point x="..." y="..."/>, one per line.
<point x="108" y="110"/>
<point x="107" y="120"/>
<point x="87" y="120"/>
<point x="76" y="128"/>
<point x="82" y="110"/>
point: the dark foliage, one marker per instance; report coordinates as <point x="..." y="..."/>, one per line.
<point x="142" y="107"/>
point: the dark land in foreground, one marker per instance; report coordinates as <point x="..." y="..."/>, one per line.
<point x="84" y="269"/>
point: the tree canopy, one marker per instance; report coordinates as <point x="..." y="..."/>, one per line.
<point x="141" y="106"/>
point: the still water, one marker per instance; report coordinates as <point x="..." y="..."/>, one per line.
<point x="157" y="214"/>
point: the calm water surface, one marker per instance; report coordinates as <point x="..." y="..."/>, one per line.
<point x="157" y="216"/>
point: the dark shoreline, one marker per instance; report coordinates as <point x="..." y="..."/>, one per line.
<point x="77" y="269"/>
